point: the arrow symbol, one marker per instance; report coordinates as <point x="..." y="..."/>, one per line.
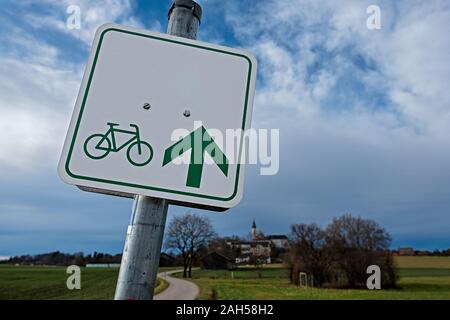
<point x="200" y="142"/>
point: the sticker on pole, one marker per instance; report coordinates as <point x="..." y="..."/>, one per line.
<point x="161" y="116"/>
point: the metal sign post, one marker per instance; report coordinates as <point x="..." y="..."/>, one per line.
<point x="140" y="260"/>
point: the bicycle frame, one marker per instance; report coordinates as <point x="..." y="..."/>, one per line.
<point x="112" y="132"/>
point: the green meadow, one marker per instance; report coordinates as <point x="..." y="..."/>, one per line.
<point x="49" y="283"/>
<point x="420" y="278"/>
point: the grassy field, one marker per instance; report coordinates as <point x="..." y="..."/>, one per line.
<point x="420" y="278"/>
<point x="34" y="282"/>
<point x="423" y="262"/>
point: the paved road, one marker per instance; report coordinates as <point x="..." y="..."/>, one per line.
<point x="178" y="289"/>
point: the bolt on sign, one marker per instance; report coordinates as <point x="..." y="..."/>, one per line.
<point x="139" y="88"/>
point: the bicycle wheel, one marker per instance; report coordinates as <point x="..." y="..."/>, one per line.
<point x="139" y="159"/>
<point x="94" y="150"/>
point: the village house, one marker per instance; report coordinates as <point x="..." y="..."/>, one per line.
<point x="215" y="260"/>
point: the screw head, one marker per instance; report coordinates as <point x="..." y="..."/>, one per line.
<point x="147" y="106"/>
<point x="187" y="113"/>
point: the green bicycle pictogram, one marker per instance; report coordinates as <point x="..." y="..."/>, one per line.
<point x="99" y="145"/>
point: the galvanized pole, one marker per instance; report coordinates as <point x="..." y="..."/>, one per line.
<point x="184" y="19"/>
<point x="140" y="260"/>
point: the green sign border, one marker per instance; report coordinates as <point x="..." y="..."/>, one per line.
<point x="143" y="186"/>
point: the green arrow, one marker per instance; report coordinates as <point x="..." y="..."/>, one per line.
<point x="200" y="142"/>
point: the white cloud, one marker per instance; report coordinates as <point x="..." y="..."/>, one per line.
<point x="93" y="14"/>
<point x="36" y="96"/>
<point x="306" y="48"/>
<point x="38" y="87"/>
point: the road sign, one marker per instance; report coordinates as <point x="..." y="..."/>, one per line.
<point x="139" y="87"/>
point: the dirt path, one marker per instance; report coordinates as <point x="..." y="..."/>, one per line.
<point x="178" y="289"/>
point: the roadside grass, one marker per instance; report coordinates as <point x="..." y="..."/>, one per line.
<point x="246" y="273"/>
<point x="49" y="283"/>
<point x="161" y="285"/>
<point x="423" y="287"/>
<point x="420" y="278"/>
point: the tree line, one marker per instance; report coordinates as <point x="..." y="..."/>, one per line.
<point x="58" y="258"/>
<point x="335" y="256"/>
<point x="338" y="255"/>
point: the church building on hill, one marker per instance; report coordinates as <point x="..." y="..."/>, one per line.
<point x="260" y="248"/>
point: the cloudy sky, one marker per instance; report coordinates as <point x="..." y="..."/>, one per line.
<point x="364" y="117"/>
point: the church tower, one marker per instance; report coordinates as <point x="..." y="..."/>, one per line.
<point x="254" y="230"/>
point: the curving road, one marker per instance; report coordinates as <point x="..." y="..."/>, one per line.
<point x="178" y="289"/>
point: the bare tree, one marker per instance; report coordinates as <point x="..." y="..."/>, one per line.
<point x="358" y="243"/>
<point x="258" y="259"/>
<point x="188" y="235"/>
<point x="310" y="253"/>
<point x="223" y="246"/>
<point x="341" y="253"/>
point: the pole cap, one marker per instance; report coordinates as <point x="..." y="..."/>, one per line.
<point x="188" y="4"/>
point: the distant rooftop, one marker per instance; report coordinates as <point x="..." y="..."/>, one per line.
<point x="251" y="242"/>
<point x="276" y="236"/>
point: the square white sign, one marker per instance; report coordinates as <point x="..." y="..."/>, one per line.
<point x="144" y="101"/>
